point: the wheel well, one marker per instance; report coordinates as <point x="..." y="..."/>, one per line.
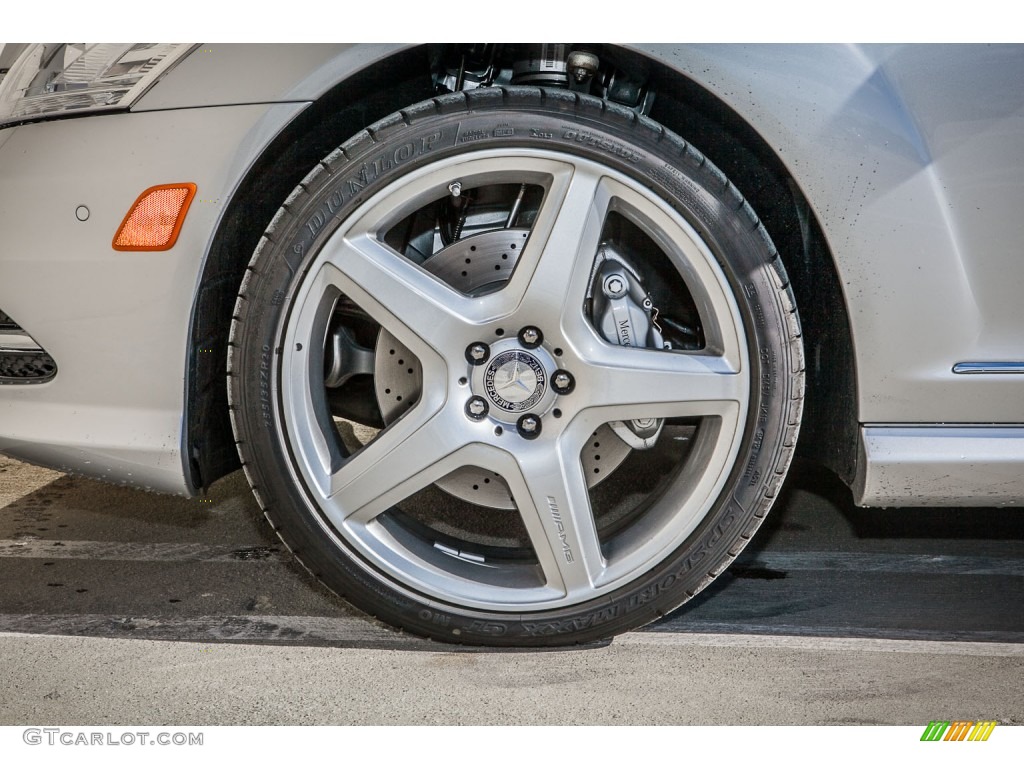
<point x="829" y="427"/>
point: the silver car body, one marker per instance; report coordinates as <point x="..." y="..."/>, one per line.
<point x="911" y="159"/>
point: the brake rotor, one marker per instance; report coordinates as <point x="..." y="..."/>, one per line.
<point x="474" y="266"/>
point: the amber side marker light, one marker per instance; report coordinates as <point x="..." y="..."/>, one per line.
<point x="155" y="218"/>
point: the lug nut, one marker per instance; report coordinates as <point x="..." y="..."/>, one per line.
<point x="476" y="408"/>
<point x="529" y="426"/>
<point x="563" y="383"/>
<point x="477" y="353"/>
<point x="530" y="337"/>
<point x="615" y="286"/>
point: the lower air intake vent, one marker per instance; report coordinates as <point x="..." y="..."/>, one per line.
<point x="17" y="367"/>
<point x="22" y="360"/>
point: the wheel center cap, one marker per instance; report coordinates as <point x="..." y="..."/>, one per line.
<point x="515" y="380"/>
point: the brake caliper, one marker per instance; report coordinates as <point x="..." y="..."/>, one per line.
<point x="622" y="311"/>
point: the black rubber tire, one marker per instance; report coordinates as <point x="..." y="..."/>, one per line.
<point x="570" y="123"/>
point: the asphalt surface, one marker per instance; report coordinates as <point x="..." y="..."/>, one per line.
<point x="123" y="607"/>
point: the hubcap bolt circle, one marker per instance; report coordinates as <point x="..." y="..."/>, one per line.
<point x="530" y="337"/>
<point x="476" y="408"/>
<point x="528" y="426"/>
<point x="563" y="382"/>
<point x="477" y="353"/>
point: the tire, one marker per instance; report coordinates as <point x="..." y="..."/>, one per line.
<point x="457" y="521"/>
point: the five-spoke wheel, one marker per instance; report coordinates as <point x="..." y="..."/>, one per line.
<point x="537" y="386"/>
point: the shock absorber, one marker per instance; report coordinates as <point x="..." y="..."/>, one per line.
<point x="557" y="65"/>
<point x="541" y="64"/>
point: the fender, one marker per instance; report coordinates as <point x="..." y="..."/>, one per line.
<point x="917" y="190"/>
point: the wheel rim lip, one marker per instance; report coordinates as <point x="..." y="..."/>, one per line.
<point x="377" y="548"/>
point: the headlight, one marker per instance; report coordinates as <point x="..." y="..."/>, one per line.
<point x="58" y="78"/>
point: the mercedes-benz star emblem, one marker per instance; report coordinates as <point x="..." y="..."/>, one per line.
<point x="515" y="380"/>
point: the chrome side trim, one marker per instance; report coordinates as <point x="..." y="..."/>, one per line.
<point x="16" y="342"/>
<point x="961" y="465"/>
<point x="994" y="367"/>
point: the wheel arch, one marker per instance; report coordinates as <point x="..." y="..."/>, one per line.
<point x="357" y="101"/>
<point x="829" y="431"/>
<point x="830" y="428"/>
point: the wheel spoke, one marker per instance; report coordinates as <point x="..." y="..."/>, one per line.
<point x="550" y="490"/>
<point x="410" y="454"/>
<point x="419" y="308"/>
<point x="638" y="383"/>
<point x="554" y="269"/>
